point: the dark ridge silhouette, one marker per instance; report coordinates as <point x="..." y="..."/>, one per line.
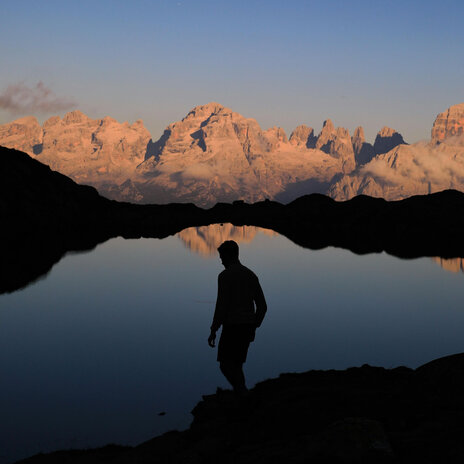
<point x="359" y="415"/>
<point x="296" y="189"/>
<point x="45" y="214"/>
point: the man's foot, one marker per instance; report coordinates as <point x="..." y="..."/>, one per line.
<point x="242" y="391"/>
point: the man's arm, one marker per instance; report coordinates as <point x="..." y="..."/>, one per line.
<point x="260" y="301"/>
<point x="219" y="311"/>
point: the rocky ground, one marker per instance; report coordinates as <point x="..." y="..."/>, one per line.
<point x="359" y="415"/>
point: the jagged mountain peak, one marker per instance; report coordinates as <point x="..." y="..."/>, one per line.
<point x="215" y="154"/>
<point x="26" y="121"/>
<point x="53" y="120"/>
<point x="337" y="143"/>
<point x="75" y="116"/>
<point x="328" y="126"/>
<point x="400" y="170"/>
<point x="386" y="132"/>
<point x="363" y="151"/>
<point x="450" y="123"/>
<point x="206" y="110"/>
<point x="201" y="119"/>
<point x="387" y="139"/>
<point x="278" y="133"/>
<point x="359" y="134"/>
<point x="303" y="136"/>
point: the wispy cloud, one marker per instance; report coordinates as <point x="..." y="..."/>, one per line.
<point x="19" y="98"/>
<point x="440" y="165"/>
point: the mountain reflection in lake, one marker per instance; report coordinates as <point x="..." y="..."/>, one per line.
<point x="94" y="352"/>
<point x="205" y="240"/>
<point x="452" y="264"/>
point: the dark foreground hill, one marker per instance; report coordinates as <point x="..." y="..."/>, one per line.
<point x="360" y="415"/>
<point x="45" y="214"/>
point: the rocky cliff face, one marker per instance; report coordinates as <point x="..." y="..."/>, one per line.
<point x="97" y="152"/>
<point x="303" y="136"/>
<point x="215" y="154"/>
<point x="337" y="143"/>
<point x="416" y="169"/>
<point x="212" y="155"/>
<point x="363" y="151"/>
<point x="24" y="134"/>
<point x="450" y="123"/>
<point x="387" y="139"/>
<point x="93" y="151"/>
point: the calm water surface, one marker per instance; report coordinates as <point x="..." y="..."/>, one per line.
<point x="111" y="338"/>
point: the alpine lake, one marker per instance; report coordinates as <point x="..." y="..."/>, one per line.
<point x="111" y="345"/>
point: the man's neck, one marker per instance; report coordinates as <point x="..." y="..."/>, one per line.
<point x="231" y="263"/>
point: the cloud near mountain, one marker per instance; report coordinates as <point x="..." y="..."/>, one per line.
<point x="421" y="168"/>
<point x="215" y="154"/>
<point x="19" y="98"/>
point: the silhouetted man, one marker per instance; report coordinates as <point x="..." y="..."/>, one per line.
<point x="240" y="309"/>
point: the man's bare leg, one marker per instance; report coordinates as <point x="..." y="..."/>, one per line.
<point x="233" y="372"/>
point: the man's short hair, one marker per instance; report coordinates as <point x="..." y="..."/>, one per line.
<point x="229" y="248"/>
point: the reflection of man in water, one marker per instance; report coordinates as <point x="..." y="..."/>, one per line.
<point x="240" y="309"/>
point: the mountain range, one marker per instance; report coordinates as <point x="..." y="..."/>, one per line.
<point x="216" y="155"/>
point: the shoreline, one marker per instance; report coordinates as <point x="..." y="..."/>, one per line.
<point x="65" y="216"/>
<point x="360" y="414"/>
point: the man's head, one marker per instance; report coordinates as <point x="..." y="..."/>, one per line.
<point x="228" y="251"/>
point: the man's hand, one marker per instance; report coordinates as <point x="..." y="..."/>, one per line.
<point x="212" y="339"/>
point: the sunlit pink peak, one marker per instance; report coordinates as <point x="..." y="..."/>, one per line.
<point x="26" y="121"/>
<point x="75" y="116"/>
<point x="51" y="122"/>
<point x="328" y="126"/>
<point x="386" y="131"/>
<point x="208" y="109"/>
<point x="301" y="135"/>
<point x="108" y="120"/>
<point x="449" y="123"/>
<point x="278" y="133"/>
<point x="359" y="134"/>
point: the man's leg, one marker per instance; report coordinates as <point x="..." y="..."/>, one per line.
<point x="233" y="372"/>
<point x="227" y="371"/>
<point x="240" y="376"/>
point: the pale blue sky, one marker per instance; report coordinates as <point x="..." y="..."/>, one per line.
<point x="369" y="63"/>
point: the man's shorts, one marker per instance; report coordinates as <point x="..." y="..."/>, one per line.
<point x="234" y="342"/>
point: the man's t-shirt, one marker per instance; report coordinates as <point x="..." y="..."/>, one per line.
<point x="240" y="299"/>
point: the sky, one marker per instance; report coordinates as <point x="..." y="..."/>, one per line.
<point x="369" y="63"/>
